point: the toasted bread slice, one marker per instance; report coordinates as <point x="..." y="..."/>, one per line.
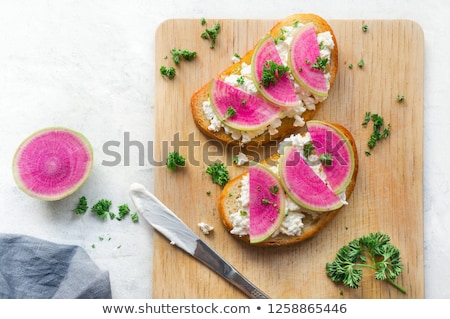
<point x="287" y="126"/>
<point x="313" y="222"/>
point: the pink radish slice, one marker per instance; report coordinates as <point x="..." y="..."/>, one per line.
<point x="283" y="92"/>
<point x="329" y="139"/>
<point x="250" y="112"/>
<point x="304" y="51"/>
<point x="52" y="163"/>
<point x="303" y="185"/>
<point x="267" y="202"/>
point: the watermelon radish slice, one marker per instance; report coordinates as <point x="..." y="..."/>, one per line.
<point x="239" y="109"/>
<point x="281" y="93"/>
<point x="266" y="205"/>
<point x="303" y="53"/>
<point x="52" y="163"/>
<point x="328" y="139"/>
<point x="303" y="185"/>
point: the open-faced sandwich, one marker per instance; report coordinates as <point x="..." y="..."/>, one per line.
<point x="296" y="192"/>
<point x="274" y="88"/>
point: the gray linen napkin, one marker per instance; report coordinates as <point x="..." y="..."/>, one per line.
<point x="32" y="268"/>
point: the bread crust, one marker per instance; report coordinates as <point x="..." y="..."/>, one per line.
<point x="312" y="225"/>
<point x="287" y="126"/>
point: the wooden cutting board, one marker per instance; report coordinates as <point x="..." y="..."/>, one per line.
<point x="389" y="192"/>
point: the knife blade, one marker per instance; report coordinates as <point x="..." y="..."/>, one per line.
<point x="162" y="219"/>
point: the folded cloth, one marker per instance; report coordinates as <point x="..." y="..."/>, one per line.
<point x="32" y="268"/>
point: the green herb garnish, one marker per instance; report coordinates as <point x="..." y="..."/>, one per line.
<point x="219" y="173"/>
<point x="168" y="72"/>
<point x="326" y="159"/>
<point x="211" y="34"/>
<point x="240" y="80"/>
<point x="373" y="251"/>
<point x="379" y="132"/>
<point x="272" y="73"/>
<point x="82" y="206"/>
<point x="366" y="119"/>
<point x="365" y="28"/>
<point x="101" y="208"/>
<point x="361" y="63"/>
<point x="135" y="217"/>
<point x="203" y="21"/>
<point x="123" y="211"/>
<point x="308" y="148"/>
<point x="177" y="54"/>
<point x="274" y="189"/>
<point x="175" y="160"/>
<point x="230" y="112"/>
<point x="265" y="201"/>
<point x="400" y="97"/>
<point x="320" y="64"/>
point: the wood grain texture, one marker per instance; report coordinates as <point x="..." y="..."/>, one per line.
<point x="389" y="192"/>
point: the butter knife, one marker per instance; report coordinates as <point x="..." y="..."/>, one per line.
<point x="173" y="228"/>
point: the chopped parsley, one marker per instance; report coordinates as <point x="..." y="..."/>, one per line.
<point x="177" y="54"/>
<point x="272" y="73"/>
<point x="308" y="148"/>
<point x="274" y="189"/>
<point x="365" y="28"/>
<point x="211" y="34"/>
<point x="101" y="208"/>
<point x="135" y="217"/>
<point x="361" y="63"/>
<point x="123" y="211"/>
<point x="82" y="206"/>
<point x="175" y="160"/>
<point x="240" y="80"/>
<point x="379" y="130"/>
<point x="326" y="159"/>
<point x="320" y="64"/>
<point x="219" y="173"/>
<point x="168" y="72"/>
<point x="230" y="112"/>
<point x="400" y="98"/>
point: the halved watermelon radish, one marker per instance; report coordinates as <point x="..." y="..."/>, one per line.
<point x="303" y="53"/>
<point x="328" y="139"/>
<point x="303" y="185"/>
<point x="52" y="163"/>
<point x="283" y="92"/>
<point x="239" y="109"/>
<point x="266" y="205"/>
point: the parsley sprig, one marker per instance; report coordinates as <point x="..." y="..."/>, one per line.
<point x="101" y="208"/>
<point x="175" y="160"/>
<point x="272" y="73"/>
<point x="82" y="206"/>
<point x="211" y="33"/>
<point x="320" y="64"/>
<point x="168" y="71"/>
<point x="373" y="251"/>
<point x="219" y="173"/>
<point x="379" y="131"/>
<point x="178" y="54"/>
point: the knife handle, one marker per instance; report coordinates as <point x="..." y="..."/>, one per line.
<point x="213" y="260"/>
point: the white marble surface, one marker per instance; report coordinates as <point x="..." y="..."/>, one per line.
<point x="89" y="65"/>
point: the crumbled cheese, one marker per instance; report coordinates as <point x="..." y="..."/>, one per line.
<point x="205" y="228"/>
<point x="241" y="159"/>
